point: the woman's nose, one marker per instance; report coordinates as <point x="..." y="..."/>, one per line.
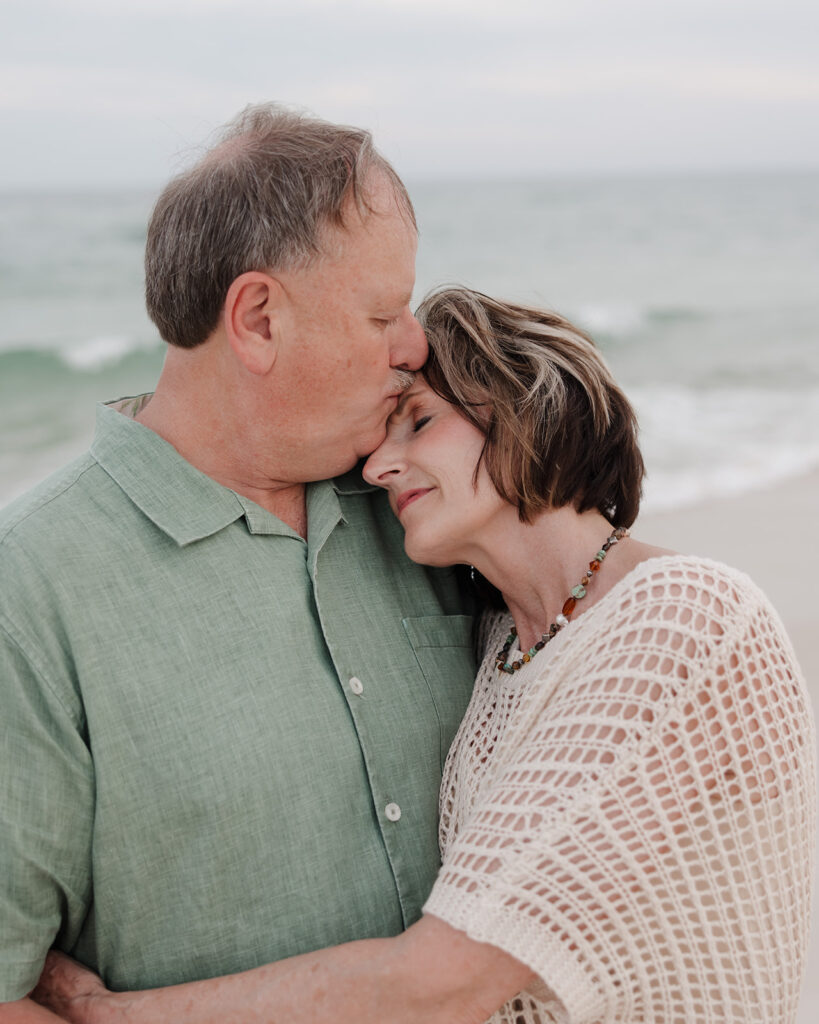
<point x="382" y="465"/>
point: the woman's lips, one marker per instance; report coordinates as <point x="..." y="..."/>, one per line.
<point x="407" y="497"/>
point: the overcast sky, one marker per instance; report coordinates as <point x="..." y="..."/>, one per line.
<point x="116" y="93"/>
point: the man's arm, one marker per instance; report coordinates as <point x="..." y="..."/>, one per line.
<point x="47" y="810"/>
<point x="432" y="974"/>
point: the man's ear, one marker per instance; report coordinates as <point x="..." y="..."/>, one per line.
<point x="253" y="308"/>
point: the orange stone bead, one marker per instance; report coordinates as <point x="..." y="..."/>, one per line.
<point x="594" y="566"/>
<point x="569" y="606"/>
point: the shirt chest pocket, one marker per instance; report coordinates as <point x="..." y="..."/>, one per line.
<point x="442" y="645"/>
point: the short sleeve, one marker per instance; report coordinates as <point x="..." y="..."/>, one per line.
<point x="645" y="842"/>
<point x="46" y="816"/>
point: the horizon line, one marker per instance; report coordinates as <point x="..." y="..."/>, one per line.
<point x="453" y="177"/>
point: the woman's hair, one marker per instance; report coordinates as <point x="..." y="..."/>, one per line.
<point x="558" y="430"/>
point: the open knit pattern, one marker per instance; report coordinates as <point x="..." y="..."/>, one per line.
<point x="632" y="814"/>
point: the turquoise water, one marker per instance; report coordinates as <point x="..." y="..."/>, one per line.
<point x="701" y="291"/>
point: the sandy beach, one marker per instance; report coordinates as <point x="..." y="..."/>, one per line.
<point x="773" y="535"/>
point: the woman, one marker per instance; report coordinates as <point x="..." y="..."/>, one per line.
<point x="627" y="811"/>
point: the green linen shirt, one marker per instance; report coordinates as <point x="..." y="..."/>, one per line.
<point x="220" y="744"/>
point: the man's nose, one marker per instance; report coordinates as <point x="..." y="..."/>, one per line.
<point x="410" y="350"/>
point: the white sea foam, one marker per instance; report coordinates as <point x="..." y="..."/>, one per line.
<point x="704" y="444"/>
<point x="101" y="351"/>
<point x="613" y="320"/>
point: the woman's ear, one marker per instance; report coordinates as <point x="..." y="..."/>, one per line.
<point x="253" y="308"/>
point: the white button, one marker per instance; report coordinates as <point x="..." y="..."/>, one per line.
<point x="356" y="685"/>
<point x="393" y="812"/>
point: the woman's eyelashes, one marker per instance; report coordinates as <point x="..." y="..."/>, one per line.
<point x="420" y="423"/>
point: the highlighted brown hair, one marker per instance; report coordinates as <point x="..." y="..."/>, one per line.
<point x="558" y="429"/>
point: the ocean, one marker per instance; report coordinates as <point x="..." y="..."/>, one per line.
<point x="702" y="292"/>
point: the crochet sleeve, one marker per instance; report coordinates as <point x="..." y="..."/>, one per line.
<point x="643" y="835"/>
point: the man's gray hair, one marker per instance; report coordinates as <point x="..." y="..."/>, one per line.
<point x="258" y="200"/>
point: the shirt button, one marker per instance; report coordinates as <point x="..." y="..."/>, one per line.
<point x="393" y="812"/>
<point x="356" y="686"/>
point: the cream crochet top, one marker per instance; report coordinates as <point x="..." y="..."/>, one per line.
<point x="632" y="813"/>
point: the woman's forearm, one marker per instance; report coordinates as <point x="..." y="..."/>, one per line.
<point x="431" y="974"/>
<point x="316" y="987"/>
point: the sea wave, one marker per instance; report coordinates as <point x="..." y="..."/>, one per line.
<point x="622" y="320"/>
<point x="702" y="444"/>
<point x="88" y="356"/>
<point x="102" y="351"/>
<point x="698" y="442"/>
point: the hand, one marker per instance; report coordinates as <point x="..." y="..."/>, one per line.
<point x="71" y="991"/>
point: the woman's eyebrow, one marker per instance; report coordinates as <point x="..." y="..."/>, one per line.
<point x="401" y="409"/>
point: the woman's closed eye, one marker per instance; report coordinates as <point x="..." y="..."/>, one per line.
<point x="420" y="422"/>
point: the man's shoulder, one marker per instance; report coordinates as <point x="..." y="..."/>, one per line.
<point x="65" y="496"/>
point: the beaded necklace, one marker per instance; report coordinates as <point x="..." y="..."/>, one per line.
<point x="577" y="594"/>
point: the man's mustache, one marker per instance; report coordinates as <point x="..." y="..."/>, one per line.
<point x="404" y="380"/>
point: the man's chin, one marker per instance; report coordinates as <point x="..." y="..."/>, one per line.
<point x="353" y="462"/>
<point x="368" y="446"/>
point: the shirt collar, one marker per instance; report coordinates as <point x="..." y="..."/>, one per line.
<point x="183" y="502"/>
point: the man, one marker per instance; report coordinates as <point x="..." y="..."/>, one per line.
<point x="226" y="695"/>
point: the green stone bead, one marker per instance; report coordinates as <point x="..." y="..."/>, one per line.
<point x="601" y="554"/>
<point x="579" y="591"/>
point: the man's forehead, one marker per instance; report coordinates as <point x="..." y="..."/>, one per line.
<point x="380" y="212"/>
